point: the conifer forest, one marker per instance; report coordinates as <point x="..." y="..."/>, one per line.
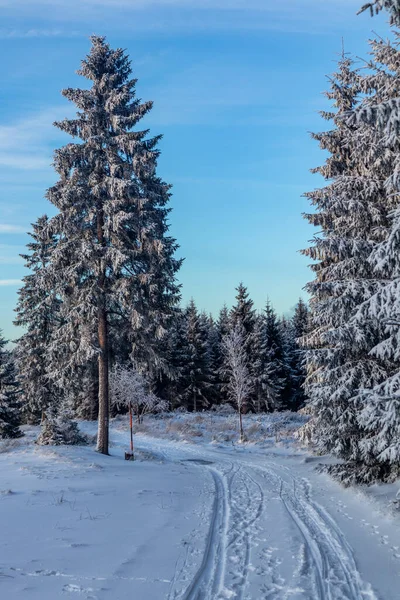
<point x="248" y="452"/>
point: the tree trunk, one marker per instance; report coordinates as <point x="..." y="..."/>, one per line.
<point x="104" y="402"/>
<point x="104" y="397"/>
<point x="195" y="402"/>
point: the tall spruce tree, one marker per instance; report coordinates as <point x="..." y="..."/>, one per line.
<point x="213" y="357"/>
<point x="379" y="412"/>
<point x="292" y="330"/>
<point x="171" y="384"/>
<point x="37" y="312"/>
<point x="243" y="313"/>
<point x="10" y="405"/>
<point x="244" y="316"/>
<point x="300" y="319"/>
<point x="298" y="328"/>
<point x="351" y="213"/>
<point x="223" y="328"/>
<point x="113" y="257"/>
<point x="262" y="370"/>
<point x="195" y="372"/>
<point x="276" y="375"/>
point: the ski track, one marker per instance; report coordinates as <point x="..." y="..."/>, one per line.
<point x="208" y="579"/>
<point x="241" y="489"/>
<point x="336" y="576"/>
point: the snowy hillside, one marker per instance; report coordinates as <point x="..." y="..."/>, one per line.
<point x="193" y="517"/>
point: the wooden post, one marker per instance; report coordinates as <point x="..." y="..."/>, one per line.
<point x="130" y="455"/>
<point x="131" y="424"/>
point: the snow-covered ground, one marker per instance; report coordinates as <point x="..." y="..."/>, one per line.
<point x="196" y="517"/>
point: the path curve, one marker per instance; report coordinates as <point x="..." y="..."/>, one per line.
<point x="244" y="557"/>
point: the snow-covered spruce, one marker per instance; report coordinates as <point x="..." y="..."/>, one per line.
<point x="351" y="212"/>
<point x="393" y="6"/>
<point x="210" y="328"/>
<point x="264" y="367"/>
<point x="10" y="405"/>
<point x="113" y="263"/>
<point x="38" y="313"/>
<point x="292" y="330"/>
<point x="58" y="428"/>
<point x="196" y="369"/>
<point x="223" y="327"/>
<point x="277" y="368"/>
<point x="263" y="347"/>
<point x="379" y="403"/>
<point x="169" y="384"/>
<point x="244" y="315"/>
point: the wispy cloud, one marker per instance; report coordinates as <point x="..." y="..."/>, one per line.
<point x="264" y="5"/>
<point x="7" y="228"/>
<point x="10" y="282"/>
<point x="11" y="260"/>
<point x="10" y="254"/>
<point x="24" y="161"/>
<point x="228" y="90"/>
<point x="206" y="93"/>
<point x="36" y="33"/>
<point x="173" y="15"/>
<point x="25" y="145"/>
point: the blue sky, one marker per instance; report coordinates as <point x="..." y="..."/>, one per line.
<point x="236" y="84"/>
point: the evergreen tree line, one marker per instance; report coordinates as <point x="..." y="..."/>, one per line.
<point x="353" y="360"/>
<point x="195" y="374"/>
<point x="101" y="289"/>
<point x="197" y="361"/>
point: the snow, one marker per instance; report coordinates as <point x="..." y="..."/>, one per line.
<point x="221" y="427"/>
<point x="195" y="516"/>
<point x="75" y="522"/>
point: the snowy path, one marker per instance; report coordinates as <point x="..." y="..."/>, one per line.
<point x="269" y="538"/>
<point x="194" y="522"/>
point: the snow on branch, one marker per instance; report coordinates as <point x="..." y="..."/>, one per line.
<point x="385" y="116"/>
<point x="129" y="388"/>
<point x="392" y="6"/>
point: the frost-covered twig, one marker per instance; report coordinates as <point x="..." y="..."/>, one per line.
<point x="239" y="384"/>
<point x="130" y="388"/>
